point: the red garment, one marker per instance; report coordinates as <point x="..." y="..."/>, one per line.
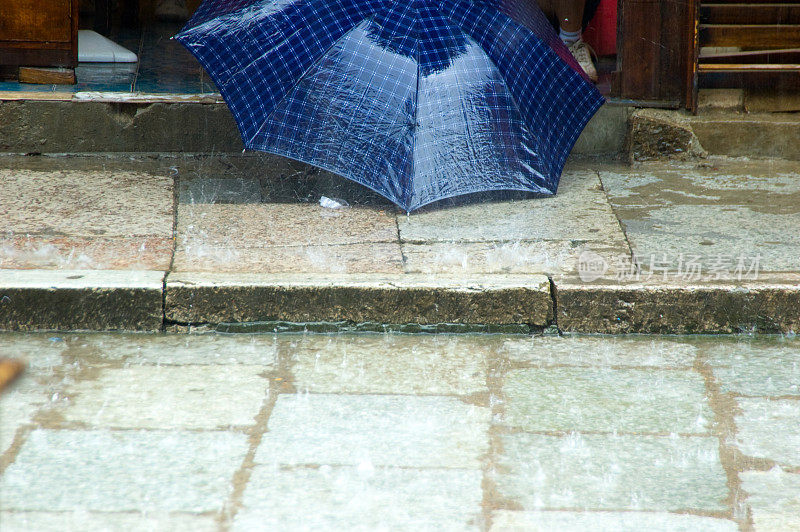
<point x="601" y="33"/>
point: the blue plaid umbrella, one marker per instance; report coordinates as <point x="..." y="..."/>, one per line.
<point x="419" y="100"/>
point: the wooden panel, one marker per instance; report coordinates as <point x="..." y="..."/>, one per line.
<point x="778" y="82"/>
<point x="34" y="57"/>
<point x="750" y="36"/>
<point x="791" y="55"/>
<point x="653" y="37"/>
<point x="748" y="2"/>
<point x="690" y="75"/>
<point x="39" y="33"/>
<point x="748" y="67"/>
<point x="641" y="21"/>
<point x="35" y="20"/>
<point x="47" y="76"/>
<point x="750" y="13"/>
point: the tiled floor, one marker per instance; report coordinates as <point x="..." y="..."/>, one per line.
<point x="164" y="67"/>
<point x="400" y="432"/>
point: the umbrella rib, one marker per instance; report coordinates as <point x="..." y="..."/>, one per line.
<point x="410" y="194"/>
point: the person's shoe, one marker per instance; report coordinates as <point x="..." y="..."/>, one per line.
<point x="172" y="10"/>
<point x="580" y="51"/>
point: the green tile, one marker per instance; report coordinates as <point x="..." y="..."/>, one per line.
<point x="608" y="522"/>
<point x="83" y="521"/>
<point x="612" y="473"/>
<point x="601" y="351"/>
<point x="604" y="399"/>
<point x="773" y="498"/>
<point x="768" y="367"/>
<point x="769" y="429"/>
<point x="384" y="430"/>
<point x="123" y="471"/>
<point x="169" y="397"/>
<point x="349" y="498"/>
<point x="433" y="364"/>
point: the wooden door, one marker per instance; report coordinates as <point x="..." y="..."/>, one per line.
<point x="39" y="33"/>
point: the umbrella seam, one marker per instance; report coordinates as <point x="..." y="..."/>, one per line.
<point x="547" y="49"/>
<point x="409" y="193"/>
<point x="502" y="78"/>
<point x="305" y="73"/>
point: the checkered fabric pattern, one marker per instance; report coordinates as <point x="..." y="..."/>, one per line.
<point x="419" y="100"/>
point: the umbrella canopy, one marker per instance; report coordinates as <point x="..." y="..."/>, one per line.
<point x="419" y="100"/>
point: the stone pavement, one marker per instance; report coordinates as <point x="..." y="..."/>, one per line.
<point x="401" y="432"/>
<point x="147" y="242"/>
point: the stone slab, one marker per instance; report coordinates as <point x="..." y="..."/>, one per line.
<point x="580" y="208"/>
<point x="80" y="299"/>
<point x="83" y="521"/>
<point x="380" y="257"/>
<point x="83" y="253"/>
<point x="46" y="126"/>
<point x="716" y="213"/>
<point x="281" y="224"/>
<point x="123" y="471"/>
<point x="773" y="498"/>
<point x="604" y="352"/>
<point x="145" y="126"/>
<point x="729" y="99"/>
<point x="176" y="349"/>
<point x="756" y="366"/>
<point x="543" y="257"/>
<point x="18" y="406"/>
<point x="361" y="498"/>
<point x="769" y="429"/>
<point x="41" y="352"/>
<point x="606" y="400"/>
<point x="49" y="127"/>
<point x="218" y="298"/>
<point x="234" y="189"/>
<point x="169" y="397"/>
<point x="768" y="100"/>
<point x="375" y="430"/>
<point x="677" y="308"/>
<point x="605" y="133"/>
<point x="37" y="388"/>
<point x="434" y="364"/>
<point x="86" y="203"/>
<point x="595" y="472"/>
<point x="661" y="134"/>
<point x="749" y="134"/>
<point x="505" y="520"/>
